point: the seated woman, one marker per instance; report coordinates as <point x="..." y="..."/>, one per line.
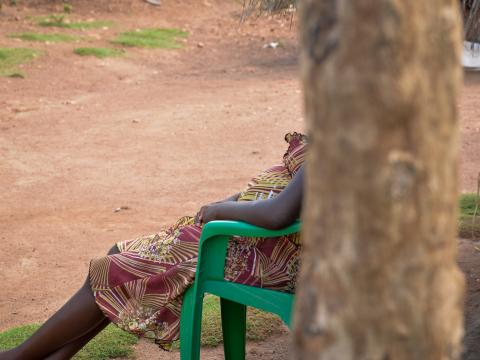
<point x="140" y="284"/>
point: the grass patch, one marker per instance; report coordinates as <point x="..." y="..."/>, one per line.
<point x="114" y="342"/>
<point x="61" y="21"/>
<point x="151" y="38"/>
<point x="10" y="58"/>
<point x="260" y="324"/>
<point x="110" y="343"/>
<point x="67" y="8"/>
<point x="467" y="203"/>
<point x="31" y="36"/>
<point x="98" y="52"/>
<point x="468" y="224"/>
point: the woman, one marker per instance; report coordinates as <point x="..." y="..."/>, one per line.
<point x="140" y="284"/>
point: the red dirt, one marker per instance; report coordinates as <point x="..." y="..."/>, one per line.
<point x="158" y="131"/>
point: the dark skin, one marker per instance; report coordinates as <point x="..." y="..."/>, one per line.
<point x="80" y="319"/>
<point x="275" y="213"/>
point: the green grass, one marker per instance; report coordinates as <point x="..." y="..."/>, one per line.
<point x="98" y="52"/>
<point x="110" y="343"/>
<point x="151" y="38"/>
<point x="10" y="58"/>
<point x="467" y="203"/>
<point x="260" y="324"/>
<point x="31" y="36"/>
<point x="114" y="342"/>
<point x="468" y="224"/>
<point x="61" y="21"/>
<point x="67" y="8"/>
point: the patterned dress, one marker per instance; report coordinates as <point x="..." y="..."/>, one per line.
<point x="141" y="288"/>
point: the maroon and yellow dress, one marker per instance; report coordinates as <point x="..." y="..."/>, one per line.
<point x="141" y="288"/>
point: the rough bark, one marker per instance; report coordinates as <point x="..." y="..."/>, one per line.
<point x="379" y="278"/>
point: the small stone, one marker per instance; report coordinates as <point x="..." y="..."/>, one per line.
<point x="154" y="2"/>
<point x="200" y="45"/>
<point x="271" y="45"/>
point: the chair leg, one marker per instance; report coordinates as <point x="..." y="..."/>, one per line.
<point x="191" y="325"/>
<point x="234" y="318"/>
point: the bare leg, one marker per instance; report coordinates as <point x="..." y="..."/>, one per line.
<point x="68" y="350"/>
<point x="78" y="318"/>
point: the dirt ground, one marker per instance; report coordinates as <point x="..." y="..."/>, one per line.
<point x="159" y="132"/>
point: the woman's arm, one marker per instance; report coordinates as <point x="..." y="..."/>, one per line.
<point x="275" y="213"/>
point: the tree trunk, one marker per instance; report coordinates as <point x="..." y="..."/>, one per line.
<point x="379" y="278"/>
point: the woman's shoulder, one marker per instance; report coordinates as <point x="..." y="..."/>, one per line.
<point x="296" y="139"/>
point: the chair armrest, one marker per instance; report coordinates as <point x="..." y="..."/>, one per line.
<point x="239" y="228"/>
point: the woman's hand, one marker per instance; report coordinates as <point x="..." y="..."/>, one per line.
<point x="206" y="213"/>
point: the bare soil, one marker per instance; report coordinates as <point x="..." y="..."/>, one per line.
<point x="158" y="132"/>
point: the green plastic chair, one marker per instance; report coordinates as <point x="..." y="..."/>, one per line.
<point x="234" y="297"/>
